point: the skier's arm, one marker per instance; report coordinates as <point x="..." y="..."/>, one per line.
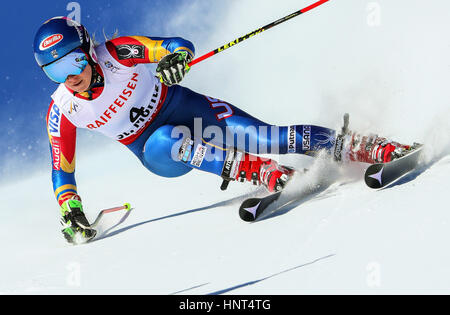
<point x="132" y="50"/>
<point x="62" y="137"/>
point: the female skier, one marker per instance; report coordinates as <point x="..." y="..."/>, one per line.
<point x="170" y="128"/>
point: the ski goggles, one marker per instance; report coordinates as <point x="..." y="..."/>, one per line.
<point x="73" y="63"/>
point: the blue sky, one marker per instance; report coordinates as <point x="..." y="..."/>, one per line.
<point x="25" y="90"/>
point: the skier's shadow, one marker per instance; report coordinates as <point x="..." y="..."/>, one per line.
<point x="289" y="204"/>
<point x="250" y="283"/>
<point x="224" y="203"/>
<point x="254" y="282"/>
<point x="303" y="197"/>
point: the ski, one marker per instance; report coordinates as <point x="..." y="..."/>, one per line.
<point x="382" y="174"/>
<point x="251" y="209"/>
<point x="254" y="208"/>
<point x="376" y="176"/>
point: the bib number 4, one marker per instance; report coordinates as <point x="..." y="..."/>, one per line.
<point x="138" y="114"/>
<point x="137" y="118"/>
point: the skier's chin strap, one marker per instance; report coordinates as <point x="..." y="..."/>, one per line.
<point x="97" y="80"/>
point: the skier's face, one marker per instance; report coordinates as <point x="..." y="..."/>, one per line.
<point x="80" y="83"/>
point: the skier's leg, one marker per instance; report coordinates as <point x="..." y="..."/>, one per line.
<point x="157" y="154"/>
<point x="225" y="125"/>
<point x="216" y="137"/>
<point x="219" y="138"/>
<point x="171" y="152"/>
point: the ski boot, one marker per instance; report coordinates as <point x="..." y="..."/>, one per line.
<point x="351" y="146"/>
<point x="243" y="167"/>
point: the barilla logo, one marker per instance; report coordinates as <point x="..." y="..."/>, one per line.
<point x="50" y="41"/>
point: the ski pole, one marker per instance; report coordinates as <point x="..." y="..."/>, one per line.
<point x="256" y="32"/>
<point x="126" y="206"/>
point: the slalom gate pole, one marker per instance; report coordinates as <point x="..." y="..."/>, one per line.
<point x="259" y="30"/>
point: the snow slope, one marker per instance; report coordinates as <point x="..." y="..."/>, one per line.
<point x="340" y="238"/>
<point x="184" y="236"/>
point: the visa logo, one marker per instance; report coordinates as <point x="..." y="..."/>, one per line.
<point x="54" y="121"/>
